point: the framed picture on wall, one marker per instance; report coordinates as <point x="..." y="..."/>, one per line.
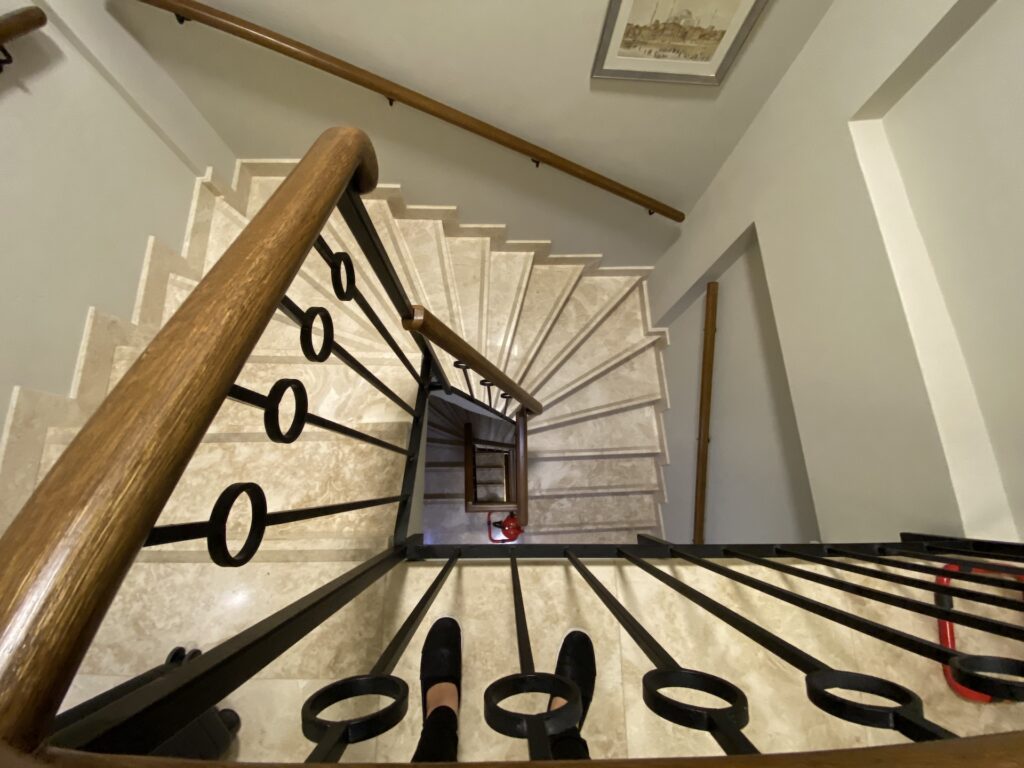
<point x="673" y="41"/>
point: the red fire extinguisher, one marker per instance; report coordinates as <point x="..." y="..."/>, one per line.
<point x="509" y="527"/>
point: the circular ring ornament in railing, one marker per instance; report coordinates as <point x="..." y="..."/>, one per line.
<point x="217" y="532"/>
<point x="344" y="285"/>
<point x="361" y="728"/>
<point x="977" y="673"/>
<point x="306" y="334"/>
<point x="517" y="724"/>
<point x="486" y="383"/>
<point x="271" y="414"/>
<point x="692" y="715"/>
<point x="907" y="704"/>
<point x="461" y="365"/>
<point x="504" y="395"/>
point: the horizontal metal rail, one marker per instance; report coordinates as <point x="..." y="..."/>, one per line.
<point x="297" y="314"/>
<point x="256" y="400"/>
<point x="890" y="562"/>
<point x="175" y="532"/>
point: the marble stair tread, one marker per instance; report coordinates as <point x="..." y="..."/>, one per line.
<point x="443" y="480"/>
<point x="635" y="381"/>
<point x="622" y="433"/>
<point x="306" y="473"/>
<point x="201" y="605"/>
<point x="638" y="509"/>
<point x="470" y="263"/>
<point x="333" y="389"/>
<point x="428" y="255"/>
<point x="619" y="333"/>
<point x="548" y="289"/>
<point x="593" y="297"/>
<point x="508" y="275"/>
<point x="561" y="477"/>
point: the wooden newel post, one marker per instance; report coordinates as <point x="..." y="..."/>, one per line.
<point x="522" y="496"/>
<point x="704" y="424"/>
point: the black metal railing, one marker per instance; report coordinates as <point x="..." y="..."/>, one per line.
<point x="139" y="718"/>
<point x="148" y="713"/>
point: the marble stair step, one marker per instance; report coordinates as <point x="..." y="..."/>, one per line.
<point x="311" y="286"/>
<point x="310" y="472"/>
<point x="629" y="432"/>
<point x="635" y="381"/>
<point x="594" y="476"/>
<point x="444" y="480"/>
<point x="334" y="392"/>
<point x="470" y="265"/>
<point x="547" y="291"/>
<point x="619" y="335"/>
<point x="591" y="300"/>
<point x="508" y="275"/>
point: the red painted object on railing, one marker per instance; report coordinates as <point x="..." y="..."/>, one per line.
<point x="509" y="527"/>
<point x="947" y="630"/>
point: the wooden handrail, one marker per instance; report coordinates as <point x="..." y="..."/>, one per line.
<point x="707" y="367"/>
<point x="432" y="329"/>
<point x="225" y="22"/>
<point x="20" y="22"/>
<point x="996" y="751"/>
<point x="64" y="556"/>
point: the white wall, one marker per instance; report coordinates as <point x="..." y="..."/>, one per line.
<point x="757" y="483"/>
<point x="957" y="139"/>
<point x="85" y="182"/>
<point x="873" y="455"/>
<point x="523" y="66"/>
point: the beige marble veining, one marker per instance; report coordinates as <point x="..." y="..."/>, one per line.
<point x="591" y="299"/>
<point x="621" y="330"/>
<point x="425" y="242"/>
<point x="555" y="477"/>
<point x="635" y="380"/>
<point x="507" y="279"/>
<point x="548" y="289"/>
<point x="469" y="257"/>
<point x="632" y="430"/>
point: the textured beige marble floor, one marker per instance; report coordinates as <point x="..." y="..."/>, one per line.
<point x="198" y="604"/>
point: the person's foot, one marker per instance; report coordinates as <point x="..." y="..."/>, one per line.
<point x="441" y="666"/>
<point x="576" y="662"/>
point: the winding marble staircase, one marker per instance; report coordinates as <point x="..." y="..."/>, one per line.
<point x="576" y="334"/>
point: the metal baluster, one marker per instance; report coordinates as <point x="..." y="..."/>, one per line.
<point x="537" y="728"/>
<point x="504" y="408"/>
<point x="341" y="261"/>
<point x="985" y="674"/>
<point x="464" y="367"/>
<point x="487" y="385"/>
<point x="332" y="737"/>
<point x="907" y="716"/>
<point x="725" y="724"/>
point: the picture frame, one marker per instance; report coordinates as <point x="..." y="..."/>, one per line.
<point x="673" y="41"/>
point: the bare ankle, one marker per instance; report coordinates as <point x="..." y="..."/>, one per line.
<point x="442" y="695"/>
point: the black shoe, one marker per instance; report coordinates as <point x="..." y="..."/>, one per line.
<point x="441" y="658"/>
<point x="576" y="662"/>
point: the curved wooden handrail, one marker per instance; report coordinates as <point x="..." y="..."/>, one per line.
<point x="293" y="49"/>
<point x="435" y="331"/>
<point x="63" y="557"/>
<point x="20" y="22"/>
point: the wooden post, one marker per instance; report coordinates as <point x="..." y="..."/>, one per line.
<point x="707" y="366"/>
<point x="522" y="502"/>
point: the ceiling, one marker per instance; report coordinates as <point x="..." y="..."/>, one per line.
<point x="523" y="66"/>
